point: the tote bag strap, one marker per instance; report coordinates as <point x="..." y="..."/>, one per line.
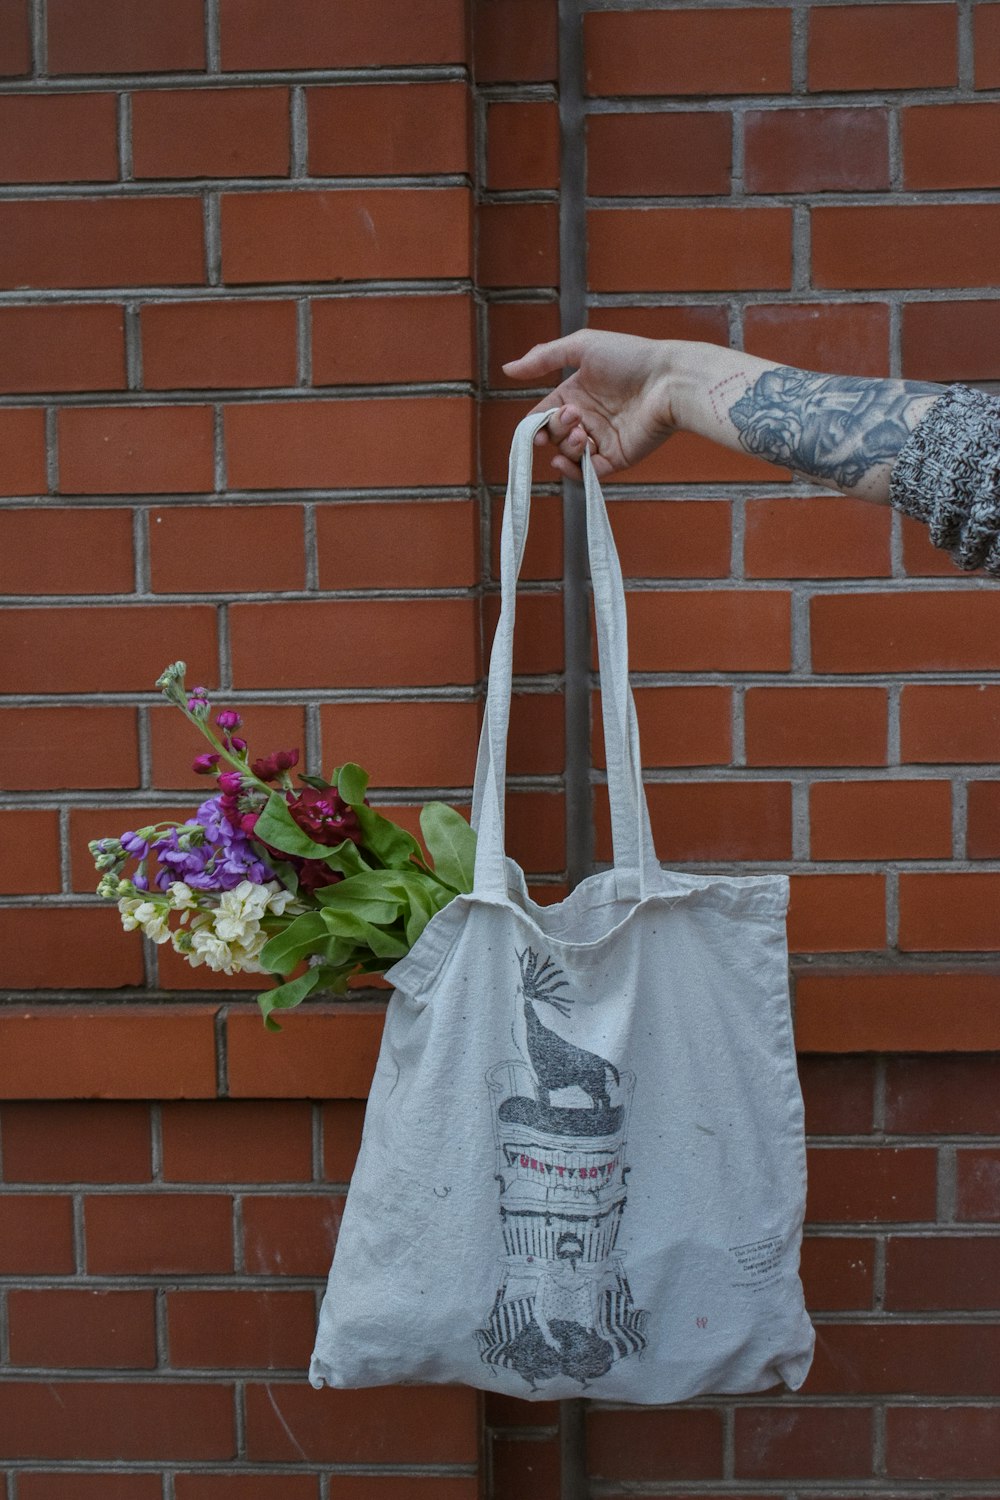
<point x="635" y="863"/>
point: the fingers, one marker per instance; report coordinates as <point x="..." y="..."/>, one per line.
<point x="544" y="358"/>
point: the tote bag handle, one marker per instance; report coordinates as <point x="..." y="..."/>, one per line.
<point x="635" y="863"/>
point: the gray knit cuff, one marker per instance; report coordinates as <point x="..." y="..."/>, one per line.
<point x="947" y="474"/>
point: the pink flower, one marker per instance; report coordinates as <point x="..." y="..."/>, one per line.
<point x="228" y="719"/>
<point x="230" y="782"/>
<point x="204" y="765"/>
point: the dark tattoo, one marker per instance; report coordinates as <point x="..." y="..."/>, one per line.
<point x="833" y="427"/>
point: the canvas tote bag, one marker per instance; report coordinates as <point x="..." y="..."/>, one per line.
<point x="583" y="1166"/>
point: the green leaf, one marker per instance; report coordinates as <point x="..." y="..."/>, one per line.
<point x="320" y="783"/>
<point x="281" y="953"/>
<point x="390" y="843"/>
<point x="422" y="908"/>
<point x="451" y="844"/>
<point x="287" y="875"/>
<point x="277" y="827"/>
<point x="352" y="783"/>
<point x="349" y="925"/>
<point x="286" y="996"/>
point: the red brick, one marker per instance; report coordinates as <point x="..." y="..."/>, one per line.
<point x="522" y="145"/>
<point x="66" y="649"/>
<point x="343" y="1120"/>
<point x="678" y="726"/>
<point x="986" y="32"/>
<point x="515" y="41"/>
<point x="58" y="138"/>
<point x="37" y="1235"/>
<point x="712" y="820"/>
<point x="291" y="1236"/>
<point x="235" y="1141"/>
<point x="415" y="1425"/>
<point x="82" y="1329"/>
<point x="513" y="328"/>
<point x="395" y="1487"/>
<point x="273" y="34"/>
<point x="389" y="130"/>
<point x="871" y="1184"/>
<point x="983" y="837"/>
<point x="838" y="1093"/>
<point x="38" y="831"/>
<point x="324" y="1052"/>
<point x="835" y="337"/>
<point x="48" y="741"/>
<point x="94" y="242"/>
<point x="951" y="912"/>
<point x="147" y="1233"/>
<point x="263" y="547"/>
<point x="518" y="244"/>
<point x="923" y="245"/>
<point x="543" y="554"/>
<point x="943" y="723"/>
<point x="211" y="133"/>
<point x="69" y="1142"/>
<point x="22" y="442"/>
<point x="947" y="1095"/>
<point x="626" y="1446"/>
<point x="656" y="155"/>
<point x="934" y="1273"/>
<point x="349" y="444"/>
<point x="951" y="146"/>
<point x="880" y="819"/>
<point x="375" y="340"/>
<point x="816" y="150"/>
<point x="346" y="234"/>
<point x="94" y="1419"/>
<point x="921" y="558"/>
<point x="896" y="1013"/>
<point x="838" y="1274"/>
<point x="801" y="1441"/>
<point x="204" y="345"/>
<point x="686" y="321"/>
<point x="146" y="449"/>
<point x="175" y="742"/>
<point x="942" y="1442"/>
<point x="244" y="1486"/>
<point x="252" y="1329"/>
<point x="680" y="51"/>
<point x="109" y="36"/>
<point x="405" y="545"/>
<point x="920" y="631"/>
<point x="509" y="1411"/>
<point x="175" y="973"/>
<point x="817" y="537"/>
<point x="355" y="643"/>
<point x="836" y="913"/>
<point x="66" y="552"/>
<point x="932" y="1359"/>
<point x="15" y="38"/>
<point x="65" y="947"/>
<point x="715" y="630"/>
<point x="882" y="47"/>
<point x="423" y="744"/>
<point x="951" y="341"/>
<point x="681" y="539"/>
<point x="816" y="726"/>
<point x="58" y="348"/>
<point x="978" y="1196"/>
<point x="61" y="1485"/>
<point x="520" y="1467"/>
<point x="129" y="1052"/>
<point x="689" y="249"/>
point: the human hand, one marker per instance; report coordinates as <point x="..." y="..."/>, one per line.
<point x="618" y="399"/>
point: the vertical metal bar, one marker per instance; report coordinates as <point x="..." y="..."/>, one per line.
<point x="576" y="615"/>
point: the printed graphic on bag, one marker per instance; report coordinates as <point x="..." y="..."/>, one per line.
<point x="563" y="1305"/>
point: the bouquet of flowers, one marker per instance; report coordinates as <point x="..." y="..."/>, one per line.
<point x="268" y="876"/>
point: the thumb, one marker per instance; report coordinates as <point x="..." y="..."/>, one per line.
<point x="544" y="358"/>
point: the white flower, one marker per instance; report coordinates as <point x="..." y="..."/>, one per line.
<point x="181" y="896"/>
<point x="127" y="907"/>
<point x="211" y="950"/>
<point x="151" y="916"/>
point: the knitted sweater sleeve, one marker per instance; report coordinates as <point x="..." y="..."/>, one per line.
<point x="947" y="474"/>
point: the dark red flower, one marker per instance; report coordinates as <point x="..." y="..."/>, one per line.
<point x="325" y="816"/>
<point x="270" y="767"/>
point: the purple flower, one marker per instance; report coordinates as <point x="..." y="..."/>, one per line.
<point x="134" y="846"/>
<point x="204" y="765"/>
<point x="219" y="863"/>
<point x="228" y="719"/>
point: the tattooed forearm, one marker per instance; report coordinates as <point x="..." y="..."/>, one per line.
<point x="835" y="428"/>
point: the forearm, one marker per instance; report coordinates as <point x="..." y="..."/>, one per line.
<point x="841" y="431"/>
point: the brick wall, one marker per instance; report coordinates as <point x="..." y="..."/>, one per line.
<point x="260" y="262"/>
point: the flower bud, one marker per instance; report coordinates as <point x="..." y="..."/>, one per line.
<point x="286" y="759"/>
<point x="238" y="744"/>
<point x="204" y="765"/>
<point x="134" y="845"/>
<point x="228" y="719"/>
<point x="231" y="782"/>
<point x="198" y="703"/>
